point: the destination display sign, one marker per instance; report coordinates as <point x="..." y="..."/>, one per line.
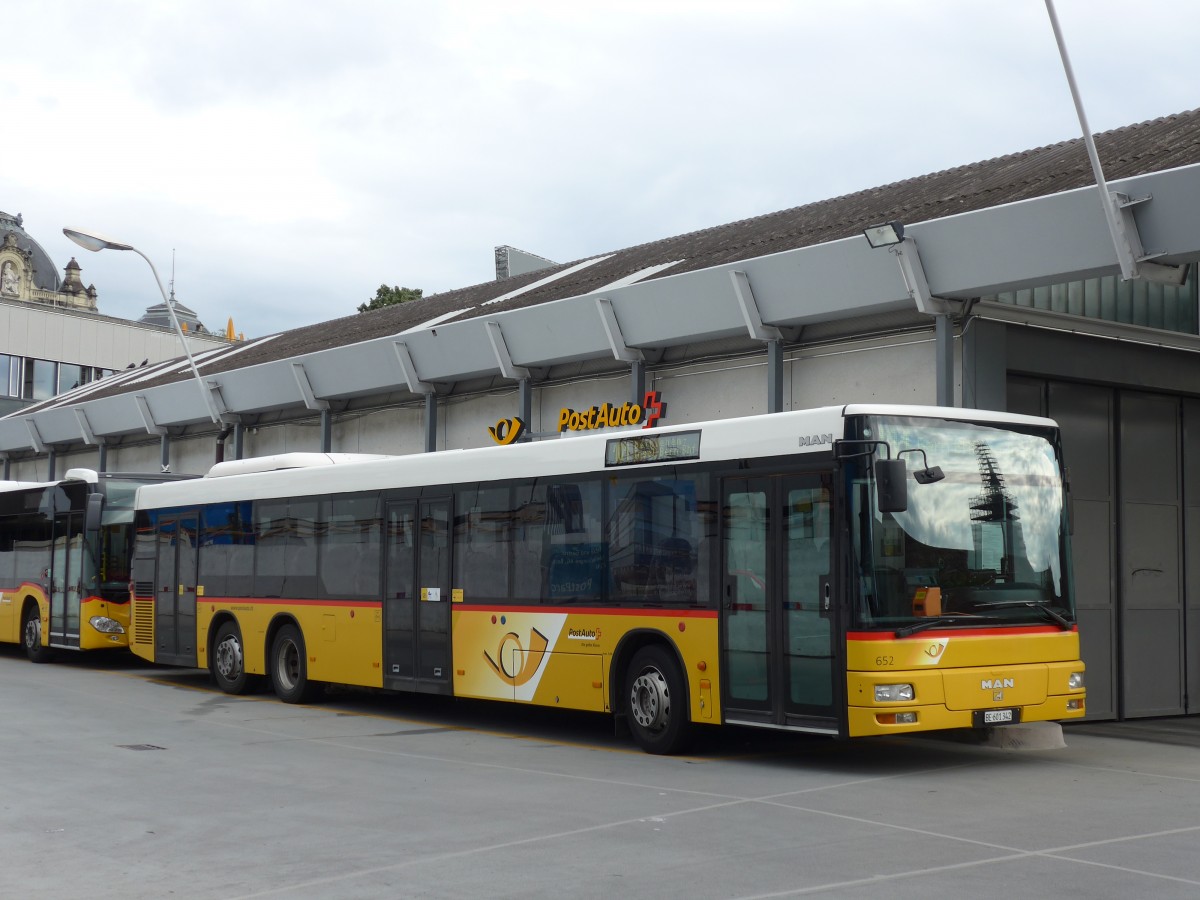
<point x="647" y="448"/>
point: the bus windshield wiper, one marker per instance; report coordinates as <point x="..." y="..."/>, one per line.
<point x="926" y="624"/>
<point x="1058" y="618"/>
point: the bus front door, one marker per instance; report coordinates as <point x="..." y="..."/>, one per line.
<point x="65" y="568"/>
<point x="778" y="615"/>
<point x="416" y="597"/>
<point x="175" y="591"/>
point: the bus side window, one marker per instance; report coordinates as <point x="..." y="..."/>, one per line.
<point x="483" y="531"/>
<point x="348" y="541"/>
<point x="654" y="530"/>
<point x="572" y="547"/>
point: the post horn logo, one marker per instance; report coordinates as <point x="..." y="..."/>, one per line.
<point x="507" y="431"/>
<point x="510" y="651"/>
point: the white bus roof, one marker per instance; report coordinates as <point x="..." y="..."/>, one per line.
<point x="776" y="434"/>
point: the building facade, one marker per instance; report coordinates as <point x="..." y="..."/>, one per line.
<point x="1005" y="292"/>
<point x="52" y="337"/>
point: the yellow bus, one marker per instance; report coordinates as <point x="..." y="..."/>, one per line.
<point x="849" y="571"/>
<point x="65" y="552"/>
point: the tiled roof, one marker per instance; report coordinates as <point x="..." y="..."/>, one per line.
<point x="1157" y="145"/>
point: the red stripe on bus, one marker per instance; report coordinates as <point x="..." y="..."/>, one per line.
<point x="269" y="601"/>
<point x="956" y="632"/>
<point x="592" y="611"/>
<point x="474" y="607"/>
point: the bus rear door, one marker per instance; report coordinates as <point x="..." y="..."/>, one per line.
<point x="781" y="666"/>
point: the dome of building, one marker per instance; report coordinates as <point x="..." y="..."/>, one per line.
<point x="45" y="272"/>
<point x="158" y="314"/>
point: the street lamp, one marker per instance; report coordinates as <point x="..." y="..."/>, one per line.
<point x="89" y="240"/>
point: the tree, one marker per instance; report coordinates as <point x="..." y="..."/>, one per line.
<point x="390" y="296"/>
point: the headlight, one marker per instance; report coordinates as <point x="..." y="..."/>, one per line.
<point x="893" y="693"/>
<point x="1075" y="681"/>
<point x="105" y="625"/>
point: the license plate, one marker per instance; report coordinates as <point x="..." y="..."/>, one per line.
<point x="996" y="717"/>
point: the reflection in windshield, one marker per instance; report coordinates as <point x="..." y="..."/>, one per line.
<point x="987" y="540"/>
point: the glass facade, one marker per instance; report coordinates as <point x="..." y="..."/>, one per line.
<point x="30" y="379"/>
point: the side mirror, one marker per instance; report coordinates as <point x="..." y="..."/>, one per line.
<point x="91" y="516"/>
<point x="891" y="485"/>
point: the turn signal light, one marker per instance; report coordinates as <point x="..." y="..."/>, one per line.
<point x="904" y="718"/>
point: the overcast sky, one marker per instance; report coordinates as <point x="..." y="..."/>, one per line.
<point x="293" y="156"/>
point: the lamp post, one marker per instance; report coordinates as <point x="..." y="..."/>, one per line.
<point x="89" y="240"/>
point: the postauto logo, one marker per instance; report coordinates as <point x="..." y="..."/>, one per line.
<point x="647" y="414"/>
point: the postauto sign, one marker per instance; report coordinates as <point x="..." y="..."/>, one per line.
<point x="648" y="413"/>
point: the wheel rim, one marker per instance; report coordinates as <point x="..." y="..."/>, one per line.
<point x="287" y="666"/>
<point x="650" y="700"/>
<point x="229" y="658"/>
<point x="33" y="633"/>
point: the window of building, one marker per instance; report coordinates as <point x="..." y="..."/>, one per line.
<point x="41" y="379"/>
<point x="10" y="376"/>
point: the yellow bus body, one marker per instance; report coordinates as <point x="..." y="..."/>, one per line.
<point x="12" y="607"/>
<point x="560" y="658"/>
<point x="956" y="674"/>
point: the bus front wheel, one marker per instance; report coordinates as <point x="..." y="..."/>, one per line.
<point x="289" y="667"/>
<point x="31" y="637"/>
<point x="228" y="661"/>
<point x="656" y="702"/>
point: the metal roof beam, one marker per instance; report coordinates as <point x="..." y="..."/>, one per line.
<point x="612" y="330"/>
<point x="915" y="280"/>
<point x="218" y="404"/>
<point x="749" y="307"/>
<point x="85" y="427"/>
<point x="310" y="399"/>
<point x="500" y="348"/>
<point x="409" y="369"/>
<point x="143" y="406"/>
<point x="35" y="437"/>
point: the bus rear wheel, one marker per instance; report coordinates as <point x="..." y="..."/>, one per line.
<point x="31" y="636"/>
<point x="228" y="661"/>
<point x="656" y="702"/>
<point x="289" y="668"/>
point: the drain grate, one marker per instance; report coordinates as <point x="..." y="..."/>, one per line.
<point x="140" y="747"/>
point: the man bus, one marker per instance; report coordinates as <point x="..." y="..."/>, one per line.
<point x="851" y="570"/>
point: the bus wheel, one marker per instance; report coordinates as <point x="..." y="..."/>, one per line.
<point x="31" y="637"/>
<point x="289" y="668"/>
<point x="656" y="702"/>
<point x="228" y="661"/>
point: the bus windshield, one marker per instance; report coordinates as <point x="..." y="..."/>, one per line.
<point x="984" y="543"/>
<point x="115" y="556"/>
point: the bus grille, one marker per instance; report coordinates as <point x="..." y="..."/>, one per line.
<point x="143" y="621"/>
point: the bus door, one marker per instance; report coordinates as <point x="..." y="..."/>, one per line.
<point x="66" y="564"/>
<point x="175" y="590"/>
<point x="416" y="597"/>
<point x="781" y="665"/>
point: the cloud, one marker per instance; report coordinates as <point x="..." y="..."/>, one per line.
<point x="297" y="155"/>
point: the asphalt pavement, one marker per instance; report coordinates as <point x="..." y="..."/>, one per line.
<point x="126" y="780"/>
